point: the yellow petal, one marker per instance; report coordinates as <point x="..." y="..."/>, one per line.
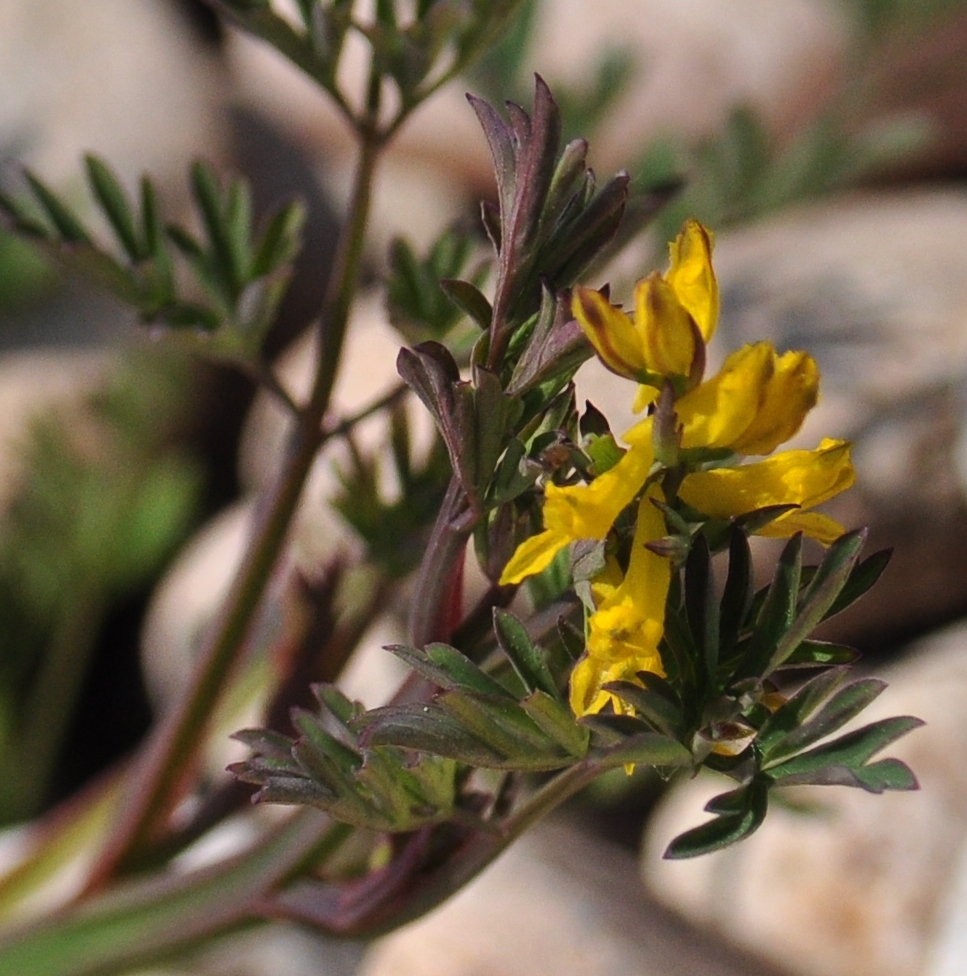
<point x="625" y="630"/>
<point x="586" y="696"/>
<point x="692" y="277"/>
<point x="604" y="585"/>
<point x="590" y="674"/>
<point x="532" y="556"/>
<point x="589" y="511"/>
<point x="649" y="575"/>
<point x="664" y="327"/>
<point x="610" y="331"/>
<point x="645" y="396"/>
<point x="641" y="434"/>
<point x="814" y="524"/>
<point x="805" y="478"/>
<point x="719" y="411"/>
<point x="790" y="394"/>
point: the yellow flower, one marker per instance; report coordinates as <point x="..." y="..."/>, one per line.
<point x="757" y="401"/>
<point x="803" y="478"/>
<point x="674" y="316"/>
<point x="692" y="277"/>
<point x="627" y="626"/>
<point x="581" y="512"/>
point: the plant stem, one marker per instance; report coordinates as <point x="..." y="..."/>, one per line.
<point x="467" y="861"/>
<point x="54" y="695"/>
<point x="141" y="921"/>
<point x="435" y="578"/>
<point x="178" y="737"/>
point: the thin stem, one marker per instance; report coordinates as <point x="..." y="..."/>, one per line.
<point x="346" y="425"/>
<point x="264" y="23"/>
<point x="265" y="375"/>
<point x="54" y="695"/>
<point x="178" y="737"/>
<point x="453" y="526"/>
<point x="135" y="925"/>
<point x="466" y="862"/>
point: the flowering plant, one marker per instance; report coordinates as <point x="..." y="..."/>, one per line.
<point x="623" y="652"/>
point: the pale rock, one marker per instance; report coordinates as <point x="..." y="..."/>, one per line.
<point x="122" y="78"/>
<point x="874" y="286"/>
<point x="276" y="950"/>
<point x="851" y="883"/>
<point x="185" y="603"/>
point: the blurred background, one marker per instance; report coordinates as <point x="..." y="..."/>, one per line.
<point x="826" y="144"/>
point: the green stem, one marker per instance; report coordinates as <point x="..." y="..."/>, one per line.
<point x="138" y="923"/>
<point x="178" y="737"/>
<point x="54" y="695"/>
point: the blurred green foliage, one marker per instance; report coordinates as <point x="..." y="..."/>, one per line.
<point x="103" y="497"/>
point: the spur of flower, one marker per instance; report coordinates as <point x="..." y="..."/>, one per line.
<point x="690" y="452"/>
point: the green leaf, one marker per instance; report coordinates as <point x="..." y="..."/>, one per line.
<point x="820" y="654"/>
<point x="514" y="475"/>
<point x="22" y="219"/>
<point x="114" y="203"/>
<point x="281" y="239"/>
<point x="67" y="225"/>
<point x="656" y="709"/>
<point x="238" y="230"/>
<point x="155" y="242"/>
<point x="678" y="652"/>
<point x="777" y="613"/>
<point x="494" y="414"/>
<point x="469" y="299"/>
<point x="507" y="729"/>
<point x="701" y="607"/>
<point x="426" y="728"/>
<point x="207" y="192"/>
<point x="557" y="722"/>
<point x="861" y="578"/>
<point x="796" y="711"/>
<point x="446" y="667"/>
<point x="750" y="804"/>
<point x="887" y="774"/>
<point x="850" y="751"/>
<point x="647" y="748"/>
<point x="823" y="589"/>
<point x="737" y="595"/>
<point x="526" y="656"/>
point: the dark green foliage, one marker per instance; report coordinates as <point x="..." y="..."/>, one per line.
<point x="377" y="788"/>
<point x="237" y="276"/>
<point x="394" y="525"/>
<point x="425" y="300"/>
<point x="725" y="712"/>
<point x="525" y="724"/>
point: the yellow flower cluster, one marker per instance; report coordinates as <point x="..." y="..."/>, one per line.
<point x="757" y="401"/>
